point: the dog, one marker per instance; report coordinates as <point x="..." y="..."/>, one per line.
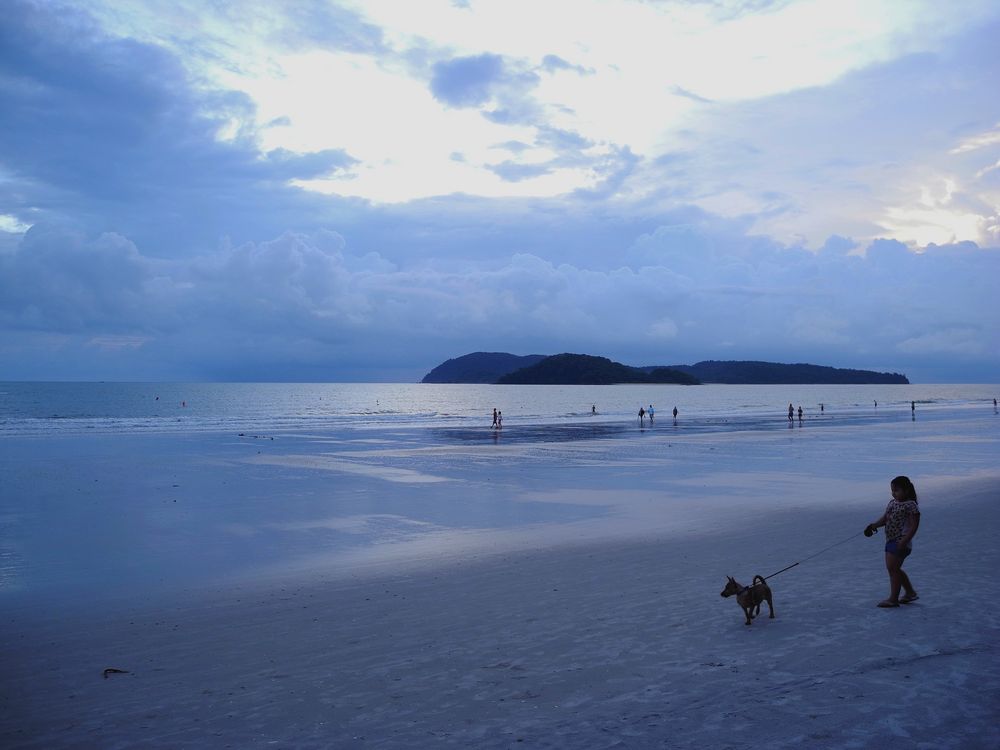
<point x="750" y="597"/>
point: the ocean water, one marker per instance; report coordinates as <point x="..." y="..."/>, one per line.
<point x="40" y="409"/>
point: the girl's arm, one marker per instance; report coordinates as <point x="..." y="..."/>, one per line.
<point x="911" y="531"/>
<point x="873" y="527"/>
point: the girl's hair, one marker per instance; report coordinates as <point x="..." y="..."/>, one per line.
<point x="906" y="486"/>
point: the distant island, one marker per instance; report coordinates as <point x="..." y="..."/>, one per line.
<point x="734" y="372"/>
<point x="585" y="369"/>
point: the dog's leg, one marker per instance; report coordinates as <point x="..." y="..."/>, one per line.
<point x="770" y="607"/>
<point x="746" y="611"/>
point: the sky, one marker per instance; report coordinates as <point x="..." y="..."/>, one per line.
<point x="358" y="191"/>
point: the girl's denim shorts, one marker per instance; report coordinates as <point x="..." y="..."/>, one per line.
<point x="890" y="546"/>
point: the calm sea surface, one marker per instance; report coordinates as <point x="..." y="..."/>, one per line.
<point x="36" y="409"/>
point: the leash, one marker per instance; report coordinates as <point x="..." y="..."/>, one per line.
<point x="816" y="554"/>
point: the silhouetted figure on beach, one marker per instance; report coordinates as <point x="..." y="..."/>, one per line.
<point x="800" y="412"/>
<point x="675" y="412"/>
<point x="791" y="413"/>
<point x="876" y="404"/>
<point x="593" y="409"/>
<point x="913" y="406"/>
<point x="499" y="420"/>
<point x="494" y="418"/>
<point x="821" y="408"/>
<point x="642" y="417"/>
<point x="651" y="414"/>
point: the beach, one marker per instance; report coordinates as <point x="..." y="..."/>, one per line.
<point x="346" y="590"/>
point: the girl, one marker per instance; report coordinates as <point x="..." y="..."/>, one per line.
<point x="901" y="520"/>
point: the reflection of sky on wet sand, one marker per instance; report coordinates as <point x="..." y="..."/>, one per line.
<point x="117" y="513"/>
<point x="328" y="463"/>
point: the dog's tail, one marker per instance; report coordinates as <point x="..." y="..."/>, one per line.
<point x="755" y="579"/>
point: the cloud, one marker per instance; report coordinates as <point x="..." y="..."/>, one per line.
<point x="63" y="282"/>
<point x="513" y="171"/>
<point x="467" y="81"/>
<point x="678" y="91"/>
<point x="977" y="141"/>
<point x="114" y="134"/>
<point x="500" y="89"/>
<point x="855" y="157"/>
<point x="552" y="63"/>
<point x="308" y="300"/>
<point x="291" y="166"/>
<point x="321" y="24"/>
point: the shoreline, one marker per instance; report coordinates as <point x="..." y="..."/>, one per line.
<point x="42" y="410"/>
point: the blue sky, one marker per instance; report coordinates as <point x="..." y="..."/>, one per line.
<point x="359" y="190"/>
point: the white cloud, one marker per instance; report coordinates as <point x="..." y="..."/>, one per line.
<point x="978" y="141"/>
<point x="935" y="214"/>
<point x="12" y="224"/>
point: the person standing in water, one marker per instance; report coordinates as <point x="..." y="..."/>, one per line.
<point x="651" y="414"/>
<point x="494" y="418"/>
<point x="791" y="413"/>
<point x="901" y="521"/>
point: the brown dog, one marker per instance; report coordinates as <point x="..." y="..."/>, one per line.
<point x="750" y="597"/>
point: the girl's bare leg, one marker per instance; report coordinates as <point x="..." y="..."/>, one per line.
<point x="905" y="580"/>
<point x="896" y="575"/>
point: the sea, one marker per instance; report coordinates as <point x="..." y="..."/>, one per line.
<point x="458" y="411"/>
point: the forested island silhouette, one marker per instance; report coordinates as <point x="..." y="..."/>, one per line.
<point x="586" y="369"/>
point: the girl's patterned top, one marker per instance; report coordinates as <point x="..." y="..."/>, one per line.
<point x="897" y="517"/>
